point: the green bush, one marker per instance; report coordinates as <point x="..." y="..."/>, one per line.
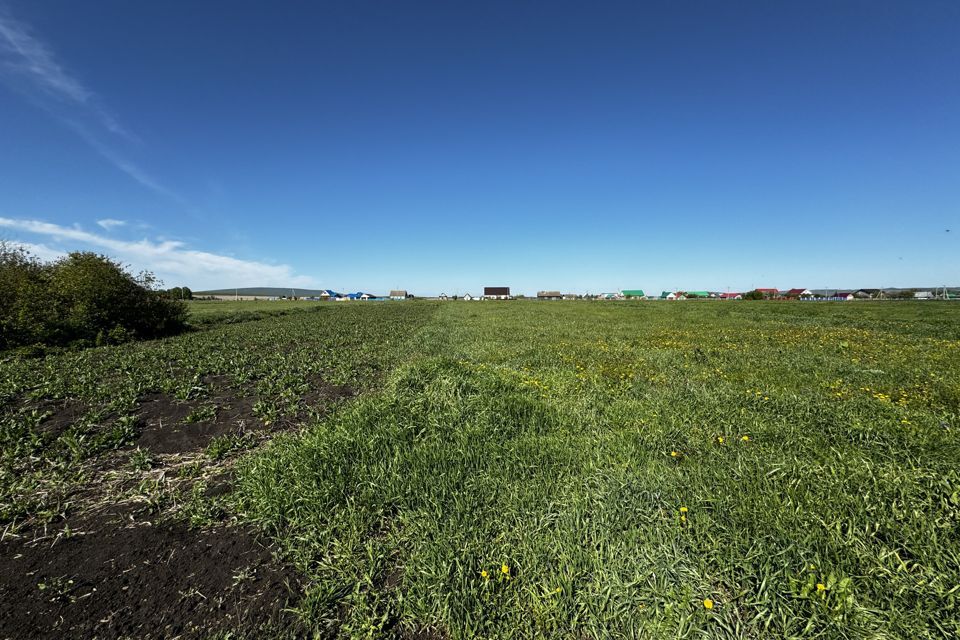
<point x="80" y="299"/>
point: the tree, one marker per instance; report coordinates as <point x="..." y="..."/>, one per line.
<point x="24" y="306"/>
<point x="81" y="299"/>
<point x="754" y="295"/>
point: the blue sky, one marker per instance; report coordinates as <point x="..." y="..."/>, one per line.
<point x="445" y="146"/>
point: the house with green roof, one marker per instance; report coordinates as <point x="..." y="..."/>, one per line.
<point x="698" y="294"/>
<point x="634" y="293"/>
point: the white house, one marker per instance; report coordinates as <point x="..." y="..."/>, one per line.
<point x="923" y="295"/>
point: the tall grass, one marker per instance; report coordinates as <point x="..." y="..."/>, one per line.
<point x="589" y="470"/>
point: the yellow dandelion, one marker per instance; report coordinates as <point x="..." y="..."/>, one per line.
<point x="674" y="454"/>
<point x="558" y="590"/>
<point x="720" y="439"/>
<point x="708" y="603"/>
<point x="485" y="574"/>
<point x="684" y="509"/>
<point x="505" y="570"/>
<point x="745" y="438"/>
<point x="821" y="587"/>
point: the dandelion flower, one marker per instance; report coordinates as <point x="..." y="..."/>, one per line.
<point x="684" y="509"/>
<point x="821" y="587"/>
<point x="485" y="574"/>
<point x="708" y="603"/>
<point x="720" y="439"/>
<point x="745" y="438"/>
<point x="675" y="454"/>
<point x="505" y="570"/>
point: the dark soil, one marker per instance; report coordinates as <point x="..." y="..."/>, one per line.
<point x="164" y="426"/>
<point x="143" y="581"/>
<point x="111" y="578"/>
<point x="165" y="429"/>
<point x="62" y="417"/>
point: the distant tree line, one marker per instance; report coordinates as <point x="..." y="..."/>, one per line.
<point x="177" y="293"/>
<point x="81" y="299"/>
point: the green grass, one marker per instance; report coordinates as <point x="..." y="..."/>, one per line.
<point x="205" y="313"/>
<point x="540" y="437"/>
<point x="624" y="461"/>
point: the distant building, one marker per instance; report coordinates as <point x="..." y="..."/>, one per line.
<point x="842" y="295"/>
<point x="549" y="295"/>
<point x="923" y="295"/>
<point x="398" y="294"/>
<point x="634" y="294"/>
<point x="769" y="293"/>
<point x="468" y="297"/>
<point x="798" y="293"/>
<point x="442" y="296"/>
<point x="496" y="293"/>
<point x="731" y="296"/>
<point x="698" y="294"/>
<point x="668" y="295"/>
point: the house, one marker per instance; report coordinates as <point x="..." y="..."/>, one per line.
<point x="368" y="296"/>
<point x="634" y="294"/>
<point x="399" y="294"/>
<point x="842" y="295"/>
<point x="698" y="294"/>
<point x="731" y="296"/>
<point x="327" y="294"/>
<point x="571" y="296"/>
<point x="496" y="293"/>
<point x="442" y="296"/>
<point x="798" y="293"/>
<point x="923" y="295"/>
<point x="468" y="297"/>
<point x="867" y="293"/>
<point x="548" y="295"/>
<point x="668" y="295"/>
<point x="769" y="293"/>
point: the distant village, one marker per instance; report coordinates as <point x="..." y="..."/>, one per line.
<point x="503" y="293"/>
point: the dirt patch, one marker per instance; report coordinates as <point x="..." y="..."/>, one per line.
<point x="108" y="580"/>
<point x="62" y="416"/>
<point x="169" y="426"/>
<point x="108" y="576"/>
<point x="324" y="393"/>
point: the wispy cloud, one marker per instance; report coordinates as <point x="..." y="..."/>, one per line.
<point x="171" y="260"/>
<point x="111" y="223"/>
<point x="29" y="65"/>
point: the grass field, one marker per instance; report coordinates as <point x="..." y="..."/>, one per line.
<point x="525" y="469"/>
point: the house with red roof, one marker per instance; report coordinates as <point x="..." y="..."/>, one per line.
<point x="731" y="296"/>
<point x="798" y="293"/>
